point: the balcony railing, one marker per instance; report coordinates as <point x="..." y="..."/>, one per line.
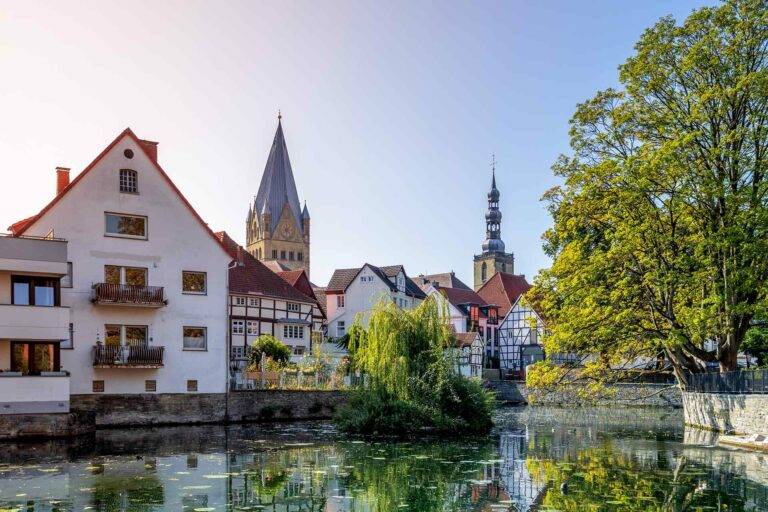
<point x="127" y="356"/>
<point x="129" y="295"/>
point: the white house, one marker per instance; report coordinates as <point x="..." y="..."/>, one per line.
<point x="521" y="327"/>
<point x="147" y="279"/>
<point x="354" y="291"/>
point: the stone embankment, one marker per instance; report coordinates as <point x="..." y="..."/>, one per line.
<point x="743" y="414"/>
<point x="577" y="395"/>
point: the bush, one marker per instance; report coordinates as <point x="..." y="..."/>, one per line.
<point x="272" y="348"/>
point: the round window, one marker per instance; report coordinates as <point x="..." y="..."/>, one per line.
<point x="128" y="153"/>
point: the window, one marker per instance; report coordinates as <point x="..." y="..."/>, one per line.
<point x="191" y="461"/>
<point x="300" y="256"/>
<point x="192" y="386"/>
<point x="341" y="328"/>
<point x="193" y="282"/>
<point x="237" y="326"/>
<point x="239" y="301"/>
<point x="150" y="386"/>
<point x="195" y="338"/>
<point x="274" y="254"/>
<point x="98" y="386"/>
<point x="126" y="226"/>
<point x="66" y="281"/>
<point x="34" y="291"/>
<point x="298" y="351"/>
<point x="31" y="358"/>
<point x="483" y="272"/>
<point x="252" y="327"/>
<point x="70" y="343"/>
<point x="134" y="276"/>
<point x="290" y="255"/>
<point x="366" y="279"/>
<point x="293" y="306"/>
<point x="134" y="335"/>
<point x="400" y="283"/>
<point x="254" y="303"/>
<point x="293" y="332"/>
<point x="282" y="255"/>
<point x="340" y="301"/>
<point x="129" y="181"/>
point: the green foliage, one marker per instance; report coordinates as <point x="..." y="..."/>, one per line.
<point x="756" y="344"/>
<point x="661" y="224"/>
<point x="411" y="383"/>
<point x="272" y="348"/>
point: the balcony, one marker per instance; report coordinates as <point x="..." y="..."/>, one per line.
<point x="127" y="356"/>
<point x="34" y="322"/>
<point x="33" y="255"/>
<point x="34" y="394"/>
<point x="106" y="294"/>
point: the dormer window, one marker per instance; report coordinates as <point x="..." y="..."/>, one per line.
<point x="129" y="181"/>
<point x="401" y="283"/>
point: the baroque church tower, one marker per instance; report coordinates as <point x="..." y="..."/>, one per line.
<point x="493" y="258"/>
<point x="277" y="228"/>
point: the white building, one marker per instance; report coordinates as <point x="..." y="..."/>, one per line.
<point x="520" y="329"/>
<point x="147" y="280"/>
<point x="34" y="326"/>
<point x="354" y="291"/>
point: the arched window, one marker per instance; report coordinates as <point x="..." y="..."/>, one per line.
<point x="129" y="181"/>
<point x="503" y="267"/>
<point x="483" y="272"/>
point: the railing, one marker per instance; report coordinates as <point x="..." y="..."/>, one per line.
<point x="126" y="294"/>
<point x="127" y="356"/>
<point x="293" y="380"/>
<point x="738" y="382"/>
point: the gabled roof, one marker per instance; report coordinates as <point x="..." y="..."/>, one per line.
<point x="458" y="296"/>
<point x="465" y="339"/>
<point x="252" y="277"/>
<point x="299" y="280"/>
<point x="444" y="280"/>
<point x="276" y="266"/>
<point x="343" y="277"/>
<point x="503" y="290"/>
<point x="277" y="185"/>
<point x="321" y="300"/>
<point x="21" y="226"/>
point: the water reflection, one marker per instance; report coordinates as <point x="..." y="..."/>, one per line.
<point x="538" y="459"/>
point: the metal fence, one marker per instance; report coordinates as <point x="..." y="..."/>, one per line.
<point x="738" y="382"/>
<point x="293" y="380"/>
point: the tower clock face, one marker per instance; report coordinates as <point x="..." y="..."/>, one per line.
<point x="287" y="231"/>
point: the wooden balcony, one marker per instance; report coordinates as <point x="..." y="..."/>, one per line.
<point x="128" y="295"/>
<point x="127" y="356"/>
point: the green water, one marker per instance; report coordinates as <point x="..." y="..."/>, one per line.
<point x="536" y="459"/>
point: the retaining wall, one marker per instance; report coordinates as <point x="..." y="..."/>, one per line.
<point x="732" y="414"/>
<point x="21" y="426"/>
<point x="576" y="395"/>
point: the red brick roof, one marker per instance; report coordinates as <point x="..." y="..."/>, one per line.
<point x="503" y="290"/>
<point x="252" y="277"/>
<point x="21" y="226"/>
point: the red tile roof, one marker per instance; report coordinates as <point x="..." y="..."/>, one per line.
<point x="464" y="339"/>
<point x="457" y="296"/>
<point x="299" y="280"/>
<point x="503" y="290"/>
<point x="250" y="276"/>
<point x="21" y="226"/>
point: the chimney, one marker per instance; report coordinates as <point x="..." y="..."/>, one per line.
<point x="150" y="147"/>
<point x="62" y="179"/>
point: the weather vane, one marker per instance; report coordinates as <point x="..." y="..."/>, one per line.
<point x="279" y="115"/>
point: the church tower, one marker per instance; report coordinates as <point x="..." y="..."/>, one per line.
<point x="493" y="258"/>
<point x="277" y="227"/>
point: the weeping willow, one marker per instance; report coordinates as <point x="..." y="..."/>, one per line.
<point x="411" y="382"/>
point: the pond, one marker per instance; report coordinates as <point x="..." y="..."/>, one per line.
<point x="537" y="459"/>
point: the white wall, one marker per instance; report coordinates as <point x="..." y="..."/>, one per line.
<point x="176" y="242"/>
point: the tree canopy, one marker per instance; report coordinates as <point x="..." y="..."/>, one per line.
<point x="660" y="228"/>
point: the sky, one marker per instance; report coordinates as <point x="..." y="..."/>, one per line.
<point x="391" y="110"/>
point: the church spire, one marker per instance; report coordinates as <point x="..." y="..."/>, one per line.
<point x="493" y="242"/>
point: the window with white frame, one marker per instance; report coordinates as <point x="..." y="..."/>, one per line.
<point x="252" y="327"/>
<point x="294" y="307"/>
<point x="129" y="181"/>
<point x="195" y="338"/>
<point x="125" y="226"/>
<point x="298" y="351"/>
<point x="239" y="301"/>
<point x="238" y="326"/>
<point x="340" y="301"/>
<point x="293" y="332"/>
<point x="341" y="328"/>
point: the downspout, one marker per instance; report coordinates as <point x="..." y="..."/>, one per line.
<point x="232" y="264"/>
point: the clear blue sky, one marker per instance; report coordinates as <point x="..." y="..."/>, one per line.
<point x="391" y="109"/>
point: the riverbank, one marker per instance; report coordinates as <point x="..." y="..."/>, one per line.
<point x="578" y="395"/>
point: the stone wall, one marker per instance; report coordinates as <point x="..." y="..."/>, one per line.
<point x="575" y="395"/>
<point x="186" y="408"/>
<point x="732" y="414"/>
<point x="29" y="426"/>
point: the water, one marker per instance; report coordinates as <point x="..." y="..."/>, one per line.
<point x="538" y="459"/>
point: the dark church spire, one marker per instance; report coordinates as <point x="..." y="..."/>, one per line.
<point x="493" y="242"/>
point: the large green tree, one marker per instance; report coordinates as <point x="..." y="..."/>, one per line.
<point x="660" y="236"/>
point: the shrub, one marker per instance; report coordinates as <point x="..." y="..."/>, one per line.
<point x="272" y="348"/>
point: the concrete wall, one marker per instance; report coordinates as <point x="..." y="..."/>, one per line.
<point x="176" y="241"/>
<point x="627" y="395"/>
<point x="31" y="394"/>
<point x="733" y="414"/>
<point x="182" y="408"/>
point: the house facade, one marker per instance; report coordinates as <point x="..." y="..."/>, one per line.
<point x="354" y="291"/>
<point x="34" y="325"/>
<point x="146" y="282"/>
<point x="520" y="329"/>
